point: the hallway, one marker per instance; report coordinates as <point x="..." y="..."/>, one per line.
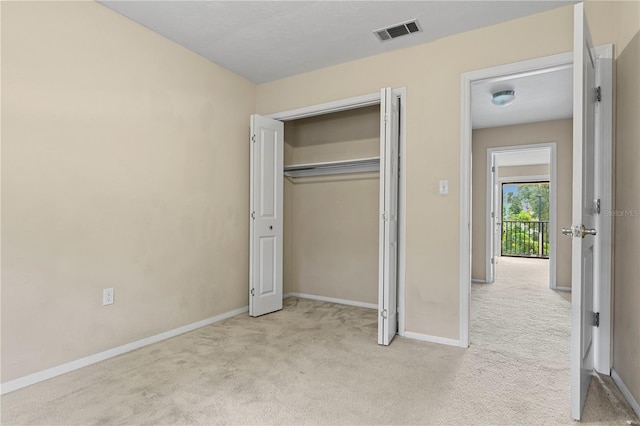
<point x="528" y="326"/>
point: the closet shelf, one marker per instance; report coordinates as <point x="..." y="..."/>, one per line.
<point x="360" y="165"/>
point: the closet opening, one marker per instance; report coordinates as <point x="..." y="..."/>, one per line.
<point x="326" y="200"/>
<point x="331" y="198"/>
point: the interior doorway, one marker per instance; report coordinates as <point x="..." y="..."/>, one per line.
<point x="515" y="180"/>
<point x="521" y="209"/>
<point x="584" y="118"/>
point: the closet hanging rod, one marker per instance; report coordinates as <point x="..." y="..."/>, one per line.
<point x="359" y="165"/>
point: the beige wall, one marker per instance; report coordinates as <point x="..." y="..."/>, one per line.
<point x="331" y="222"/>
<point x="431" y="74"/>
<point x="333" y="137"/>
<point x="558" y="131"/>
<point x="523" y="171"/>
<point x="626" y="321"/>
<point x="124" y="165"/>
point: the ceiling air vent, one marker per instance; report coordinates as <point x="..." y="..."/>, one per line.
<point x="397" y="30"/>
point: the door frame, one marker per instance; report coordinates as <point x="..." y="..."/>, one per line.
<point x="553" y="227"/>
<point x="604" y="170"/>
<point x="361" y="102"/>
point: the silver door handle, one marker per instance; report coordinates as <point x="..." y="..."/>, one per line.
<point x="582" y="231"/>
<point x="586" y="231"/>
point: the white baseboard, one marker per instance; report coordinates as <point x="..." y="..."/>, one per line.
<point x="333" y="300"/>
<point x="563" y="288"/>
<point x="49" y="373"/>
<point x="626" y="392"/>
<point x="473" y="280"/>
<point x="432" y="339"/>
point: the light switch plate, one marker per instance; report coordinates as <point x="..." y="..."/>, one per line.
<point x="444" y="187"/>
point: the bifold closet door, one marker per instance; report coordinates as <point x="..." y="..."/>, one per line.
<point x="388" y="268"/>
<point x="266" y="207"/>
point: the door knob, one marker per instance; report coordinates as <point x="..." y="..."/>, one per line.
<point x="586" y="231"/>
<point x="582" y="231"/>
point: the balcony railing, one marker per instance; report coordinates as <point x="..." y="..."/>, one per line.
<point x="525" y="238"/>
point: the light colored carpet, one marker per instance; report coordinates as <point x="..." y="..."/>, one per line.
<point x="318" y="363"/>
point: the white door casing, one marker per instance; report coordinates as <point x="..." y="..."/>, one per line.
<point x="497" y="223"/>
<point x="604" y="192"/>
<point x="388" y="265"/>
<point x="583" y="212"/>
<point x="493" y="217"/>
<point x="266" y="209"/>
<point x="494" y="226"/>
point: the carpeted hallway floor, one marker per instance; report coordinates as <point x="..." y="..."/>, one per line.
<point x="318" y="363"/>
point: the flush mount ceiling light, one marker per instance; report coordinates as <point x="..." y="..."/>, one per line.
<point x="503" y="98"/>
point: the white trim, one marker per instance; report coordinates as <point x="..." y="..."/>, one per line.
<point x="530" y="178"/>
<point x="432" y="339"/>
<point x="604" y="222"/>
<point x="560" y="288"/>
<point x="464" y="286"/>
<point x="473" y="280"/>
<point x="402" y="216"/>
<point x="533" y="72"/>
<point x="625" y="392"/>
<point x="359" y="102"/>
<point x="466" y="80"/>
<point x="334" y="300"/>
<point x="552" y="177"/>
<point x="49" y="373"/>
<point x="328" y="107"/>
<point x="490" y="230"/>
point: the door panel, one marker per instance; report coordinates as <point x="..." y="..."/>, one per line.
<point x="268" y="267"/>
<point x="388" y="269"/>
<point x="583" y="212"/>
<point x="266" y="227"/>
<point x="268" y="152"/>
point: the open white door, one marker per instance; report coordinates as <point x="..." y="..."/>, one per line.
<point x="266" y="206"/>
<point x="387" y="276"/>
<point x="584" y="213"/>
<point x="493" y="219"/>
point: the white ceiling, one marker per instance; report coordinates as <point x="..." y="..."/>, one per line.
<point x="523" y="157"/>
<point x="540" y="97"/>
<point x="269" y="40"/>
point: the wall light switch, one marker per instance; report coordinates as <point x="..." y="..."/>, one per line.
<point x="444" y="187"/>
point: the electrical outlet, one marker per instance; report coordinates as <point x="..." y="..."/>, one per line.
<point x="107" y="296"/>
<point x="444" y="187"/>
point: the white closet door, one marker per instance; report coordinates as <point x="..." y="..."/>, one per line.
<point x="387" y="276"/>
<point x="583" y="212"/>
<point x="266" y="204"/>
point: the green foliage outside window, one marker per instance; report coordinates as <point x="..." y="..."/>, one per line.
<point x="525" y="218"/>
